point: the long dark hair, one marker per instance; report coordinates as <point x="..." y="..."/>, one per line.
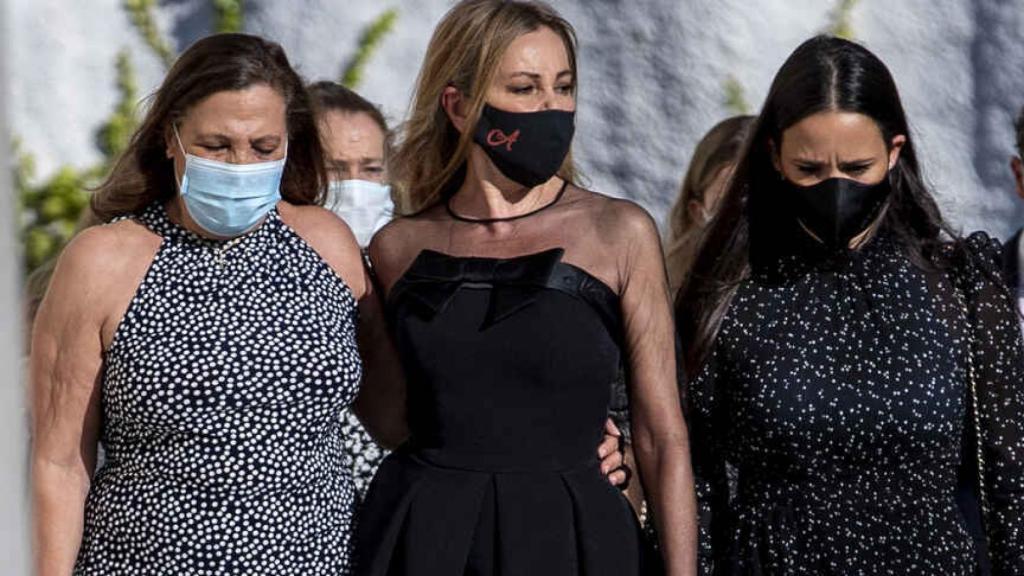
<point x="222" y="62"/>
<point x="824" y="73"/>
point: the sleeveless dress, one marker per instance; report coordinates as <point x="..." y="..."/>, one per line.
<point x="509" y="364"/>
<point x="837" y="398"/>
<point x="221" y="396"/>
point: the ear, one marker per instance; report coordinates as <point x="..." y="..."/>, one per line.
<point x="455" y="106"/>
<point x="1018" y="174"/>
<point x="696" y="212"/>
<point x="170" y="142"/>
<point x="896" y="146"/>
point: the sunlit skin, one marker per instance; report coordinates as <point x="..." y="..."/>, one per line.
<point x="534" y="74"/>
<point x="238" y="127"/>
<point x="836" y="144"/>
<point x="355" y="146"/>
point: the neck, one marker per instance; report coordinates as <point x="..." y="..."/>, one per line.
<point x="487" y="193"/>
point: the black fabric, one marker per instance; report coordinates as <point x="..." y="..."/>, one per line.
<point x="837" y="392"/>
<point x="1011" y="261"/>
<point x="483" y="486"/>
<point x="528" y="147"/>
<point x="837" y="209"/>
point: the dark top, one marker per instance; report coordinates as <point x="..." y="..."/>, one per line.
<point x="509" y="364"/>
<point x="836" y="393"/>
<point x="222" y="393"/>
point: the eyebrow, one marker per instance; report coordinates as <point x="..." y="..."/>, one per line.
<point x="842" y="163"/>
<point x="536" y="76"/>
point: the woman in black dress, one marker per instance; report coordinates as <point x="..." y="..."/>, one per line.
<point x="844" y="347"/>
<point x="513" y="295"/>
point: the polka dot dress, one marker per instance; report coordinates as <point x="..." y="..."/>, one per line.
<point x="222" y="398"/>
<point x="838" y="395"/>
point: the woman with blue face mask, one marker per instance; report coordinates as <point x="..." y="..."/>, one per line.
<point x="206" y="337"/>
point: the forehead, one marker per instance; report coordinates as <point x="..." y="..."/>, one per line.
<point x="352" y="133"/>
<point x="540" y="51"/>
<point x="833" y="133"/>
<point x="255" y="107"/>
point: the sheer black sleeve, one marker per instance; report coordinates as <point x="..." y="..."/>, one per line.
<point x="709" y="466"/>
<point x="998" y="358"/>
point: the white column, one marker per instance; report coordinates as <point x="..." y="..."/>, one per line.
<point x="14" y="498"/>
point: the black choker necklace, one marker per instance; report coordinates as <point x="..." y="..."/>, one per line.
<point x="448" y="207"/>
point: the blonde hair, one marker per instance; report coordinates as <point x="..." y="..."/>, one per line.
<point x="464" y="52"/>
<point x="719" y="148"/>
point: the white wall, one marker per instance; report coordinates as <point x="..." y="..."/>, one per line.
<point x="651" y="80"/>
<point x="13" y="436"/>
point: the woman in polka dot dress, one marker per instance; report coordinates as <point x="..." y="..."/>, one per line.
<point x="206" y="338"/>
<point x="840" y="343"/>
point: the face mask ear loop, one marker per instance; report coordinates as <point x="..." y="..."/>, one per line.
<point x="177" y="180"/>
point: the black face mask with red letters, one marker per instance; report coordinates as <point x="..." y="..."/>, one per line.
<point x="527" y="147"/>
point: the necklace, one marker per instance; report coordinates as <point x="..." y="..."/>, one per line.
<point x="448" y="207"/>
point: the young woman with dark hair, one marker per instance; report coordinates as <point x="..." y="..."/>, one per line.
<point x="847" y="355"/>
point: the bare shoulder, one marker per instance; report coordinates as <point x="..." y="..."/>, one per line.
<point x="97" y="275"/>
<point x="331" y="239"/>
<point x="107" y="254"/>
<point x="620" y="218"/>
<point x="395" y="246"/>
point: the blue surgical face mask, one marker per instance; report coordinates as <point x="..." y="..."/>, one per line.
<point x="228" y="200"/>
<point x="365" y="206"/>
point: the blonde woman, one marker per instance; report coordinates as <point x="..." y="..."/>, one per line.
<point x="705" y="182"/>
<point x="513" y="295"/>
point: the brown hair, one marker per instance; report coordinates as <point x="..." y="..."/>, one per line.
<point x="222" y="62"/>
<point x="330" y="96"/>
<point x="464" y="52"/>
<point x="719" y="148"/>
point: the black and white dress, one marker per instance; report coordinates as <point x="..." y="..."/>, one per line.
<point x="221" y="395"/>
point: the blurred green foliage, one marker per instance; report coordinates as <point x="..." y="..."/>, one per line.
<point x="141" y="13"/>
<point x="842" y="19"/>
<point x="369" y="41"/>
<point x="735" y="100"/>
<point x="230" y="15"/>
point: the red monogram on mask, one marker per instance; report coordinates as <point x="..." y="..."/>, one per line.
<point x="496" y="138"/>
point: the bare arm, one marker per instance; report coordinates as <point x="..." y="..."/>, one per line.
<point x="380" y="405"/>
<point x="660" y="440"/>
<point x="66" y="364"/>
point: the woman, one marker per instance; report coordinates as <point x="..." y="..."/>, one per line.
<point x="840" y="342"/>
<point x="356" y="142"/>
<point x="512" y="295"/>
<point x="703" y="187"/>
<point x="206" y="337"/>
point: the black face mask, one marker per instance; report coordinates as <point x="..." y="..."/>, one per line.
<point x="838" y="209"/>
<point x="527" y="147"/>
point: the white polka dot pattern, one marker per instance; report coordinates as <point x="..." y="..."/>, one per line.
<point x="222" y="399"/>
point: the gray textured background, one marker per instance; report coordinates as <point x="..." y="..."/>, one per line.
<point x="652" y="76"/>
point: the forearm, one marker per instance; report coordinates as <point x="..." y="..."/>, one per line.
<point x="58" y="512"/>
<point x="668" y="484"/>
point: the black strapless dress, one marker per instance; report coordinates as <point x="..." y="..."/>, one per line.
<point x="509" y="364"/>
